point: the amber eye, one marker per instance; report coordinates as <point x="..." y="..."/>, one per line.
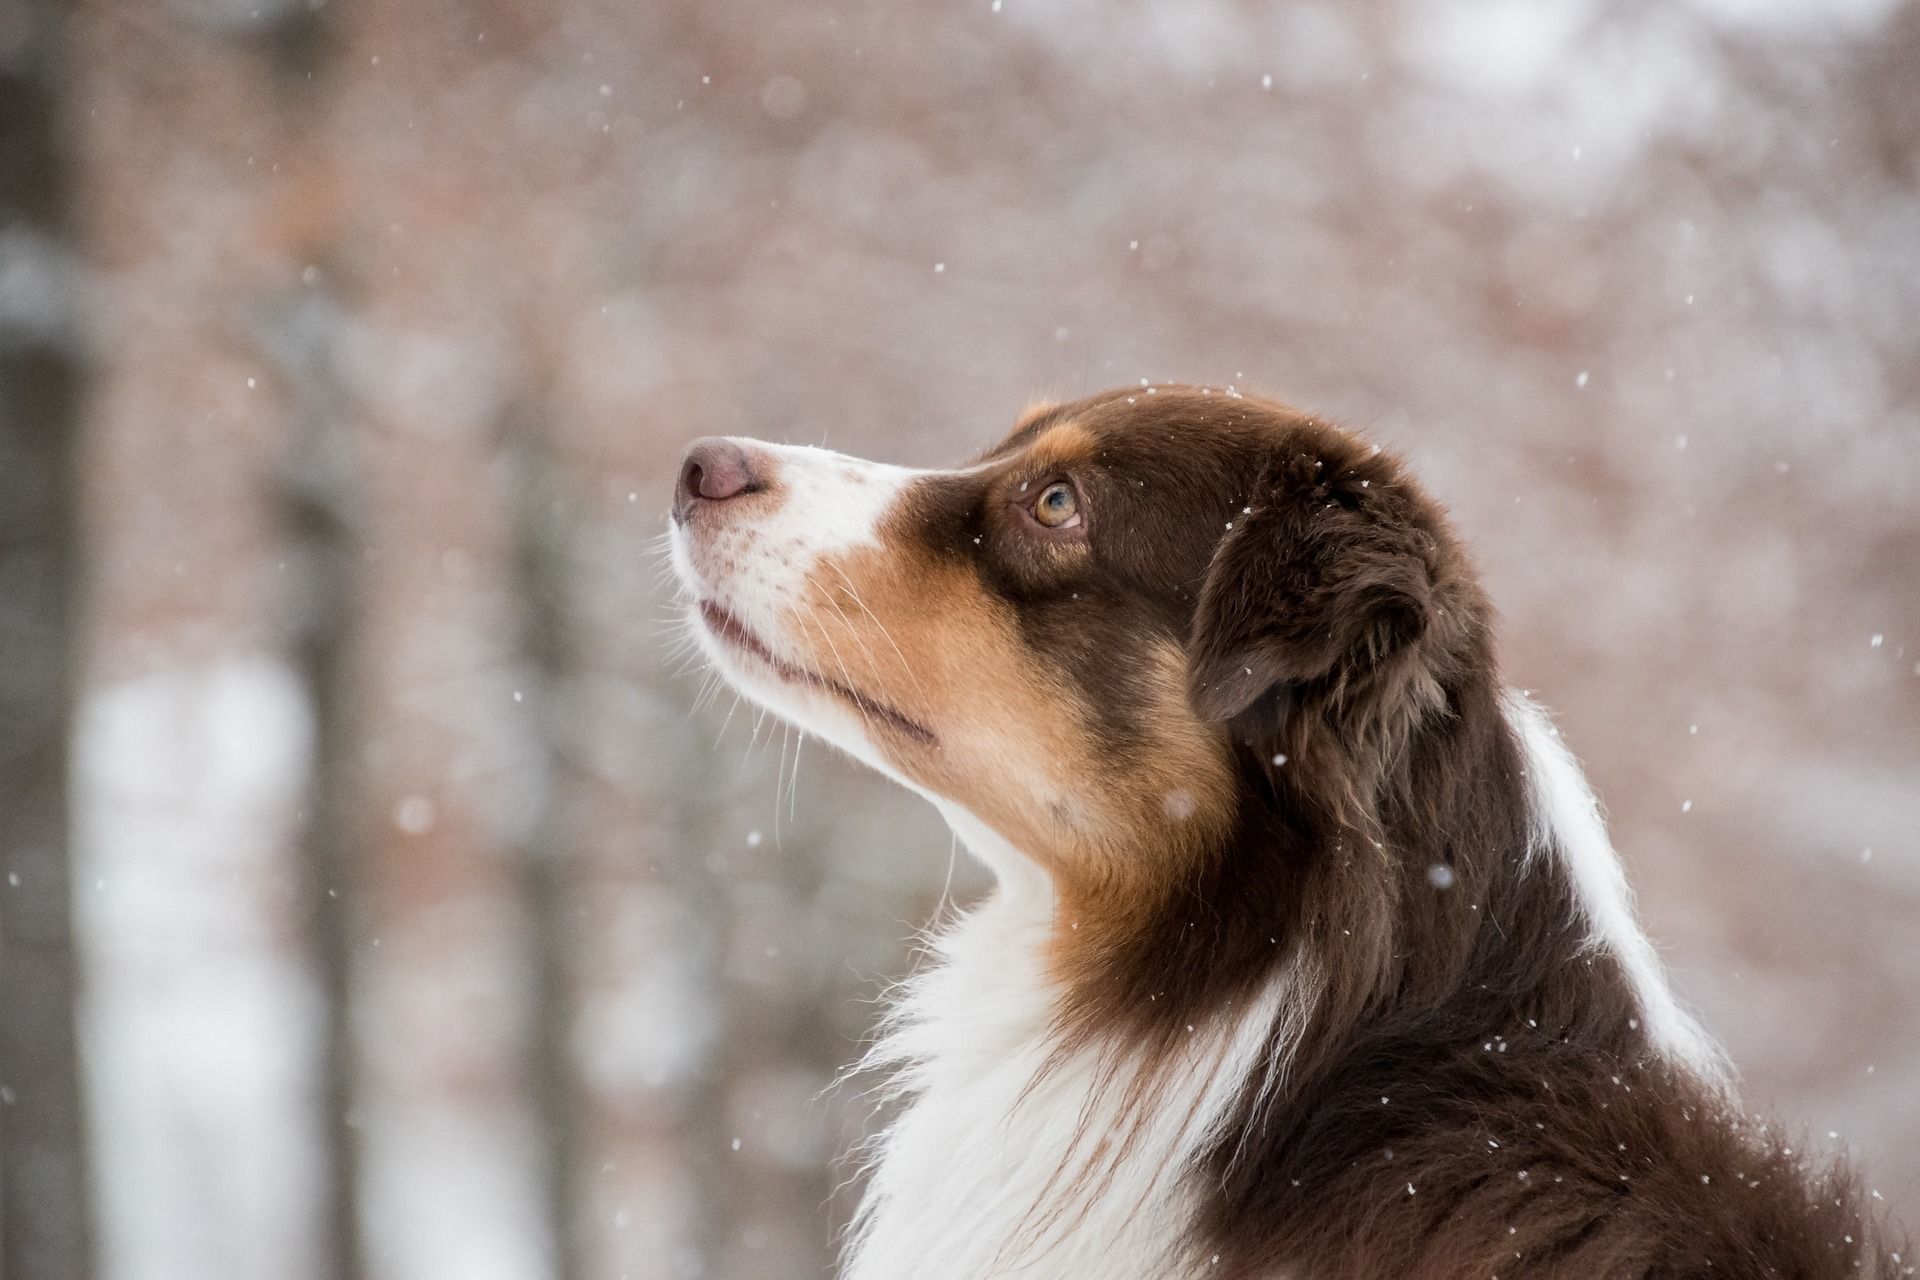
<point x="1057" y="507"/>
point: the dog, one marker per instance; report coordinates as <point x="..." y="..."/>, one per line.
<point x="1308" y="955"/>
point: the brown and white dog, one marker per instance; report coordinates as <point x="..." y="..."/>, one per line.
<point x="1309" y="956"/>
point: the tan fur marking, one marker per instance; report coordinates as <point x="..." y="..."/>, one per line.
<point x="1037" y="408"/>
<point x="1062" y="444"/>
<point x="924" y="638"/>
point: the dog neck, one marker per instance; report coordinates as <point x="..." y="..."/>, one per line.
<point x="1026" y="1143"/>
<point x="1015" y="1149"/>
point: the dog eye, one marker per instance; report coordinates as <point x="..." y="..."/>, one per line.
<point x="1057" y="507"/>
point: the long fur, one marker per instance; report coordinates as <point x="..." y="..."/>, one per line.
<point x="1310" y="956"/>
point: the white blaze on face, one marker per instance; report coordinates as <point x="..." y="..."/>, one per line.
<point x="758" y="557"/>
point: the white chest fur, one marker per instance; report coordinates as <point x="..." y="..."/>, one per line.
<point x="1010" y="1160"/>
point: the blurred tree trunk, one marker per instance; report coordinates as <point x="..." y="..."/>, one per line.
<point x="316" y="500"/>
<point x="542" y="536"/>
<point x="44" y="1197"/>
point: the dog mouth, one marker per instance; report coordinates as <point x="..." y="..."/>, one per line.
<point x="726" y="627"/>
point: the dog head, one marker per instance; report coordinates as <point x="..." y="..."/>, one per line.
<point x="1098" y="637"/>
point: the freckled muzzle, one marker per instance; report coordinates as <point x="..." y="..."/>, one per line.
<point x="763" y="539"/>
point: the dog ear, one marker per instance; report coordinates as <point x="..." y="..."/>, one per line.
<point x="1321" y="580"/>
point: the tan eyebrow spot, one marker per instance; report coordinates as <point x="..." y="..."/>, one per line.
<point x="1036" y="409"/>
<point x="1062" y="443"/>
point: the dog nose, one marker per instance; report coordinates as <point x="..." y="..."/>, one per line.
<point x="713" y="470"/>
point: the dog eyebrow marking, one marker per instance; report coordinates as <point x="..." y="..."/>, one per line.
<point x="1061" y="444"/>
<point x="1040" y="416"/>
<point x="1040" y="410"/>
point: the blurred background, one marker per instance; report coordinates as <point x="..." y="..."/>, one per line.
<point x="380" y="899"/>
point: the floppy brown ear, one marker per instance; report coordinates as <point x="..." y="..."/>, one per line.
<point x="1322" y="580"/>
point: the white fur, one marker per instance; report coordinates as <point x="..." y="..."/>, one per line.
<point x="990" y="1129"/>
<point x="995" y="1166"/>
<point x="828" y="503"/>
<point x="985" y="1129"/>
<point x="996" y="1163"/>
<point x="1566" y="817"/>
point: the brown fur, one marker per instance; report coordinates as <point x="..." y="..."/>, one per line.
<point x="1241" y="716"/>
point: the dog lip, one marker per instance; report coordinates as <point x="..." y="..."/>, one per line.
<point x="721" y="621"/>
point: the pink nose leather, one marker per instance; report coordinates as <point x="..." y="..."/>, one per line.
<point x="712" y="470"/>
